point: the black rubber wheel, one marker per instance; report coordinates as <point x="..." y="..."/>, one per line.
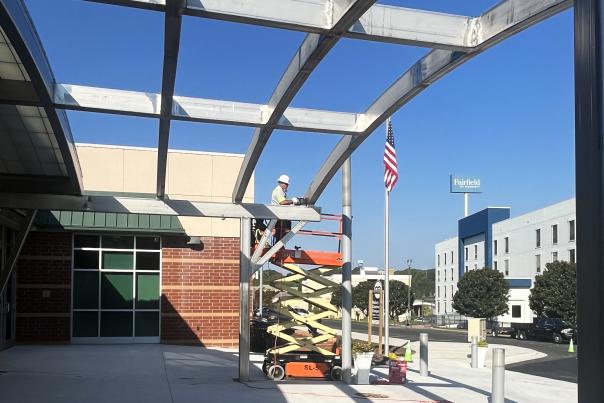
<point x="275" y="372"/>
<point x="336" y="373"/>
<point x="521" y="335"/>
<point x="557" y="338"/>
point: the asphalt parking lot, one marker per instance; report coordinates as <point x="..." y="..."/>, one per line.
<point x="559" y="363"/>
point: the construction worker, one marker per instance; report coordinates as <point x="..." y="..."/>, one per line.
<point x="279" y="196"/>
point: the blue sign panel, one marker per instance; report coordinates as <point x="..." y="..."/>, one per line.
<point x="465" y="184"/>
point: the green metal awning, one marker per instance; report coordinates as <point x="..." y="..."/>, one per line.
<point x="116" y="222"/>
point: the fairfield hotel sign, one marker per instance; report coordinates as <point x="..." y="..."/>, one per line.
<point x="465" y="184"/>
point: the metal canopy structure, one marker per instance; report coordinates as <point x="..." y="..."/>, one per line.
<point x="31" y="95"/>
<point x="455" y="39"/>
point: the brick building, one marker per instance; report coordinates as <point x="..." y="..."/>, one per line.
<point x="86" y="277"/>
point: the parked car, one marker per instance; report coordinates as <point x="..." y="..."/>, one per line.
<point x="270" y="315"/>
<point x="553" y="329"/>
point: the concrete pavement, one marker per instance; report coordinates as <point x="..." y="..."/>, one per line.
<point x="180" y="374"/>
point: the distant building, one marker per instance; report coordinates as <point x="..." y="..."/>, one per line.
<point x="519" y="247"/>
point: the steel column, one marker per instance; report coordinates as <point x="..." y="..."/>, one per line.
<point x="347" y="271"/>
<point x="11" y="262"/>
<point x="244" y="299"/>
<point x="589" y="163"/>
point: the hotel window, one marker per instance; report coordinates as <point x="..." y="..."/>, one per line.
<point x="451" y="257"/>
<point x="475" y="252"/>
<point x="451" y="291"/>
<point x="437" y="275"/>
<point x="438" y="259"/>
<point x="507" y="267"/>
<point x="538" y="263"/>
<point x="438" y="303"/>
<point x="571" y="230"/>
<point x="554" y="256"/>
<point x="445" y="256"/>
<point x="495" y="247"/>
<point x="437" y="292"/>
<point x="466" y="253"/>
<point x="555" y="234"/>
<point x="445" y="274"/>
<point x="466" y="269"/>
<point x="571" y="256"/>
<point x="516" y="311"/>
<point x="452" y="274"/>
<point x="445" y="291"/>
<point x="507" y="244"/>
<point x="475" y="266"/>
<point x="495" y="265"/>
<point x="537" y="238"/>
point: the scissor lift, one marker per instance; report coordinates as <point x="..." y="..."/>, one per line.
<point x="305" y="355"/>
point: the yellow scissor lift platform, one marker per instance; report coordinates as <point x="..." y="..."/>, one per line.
<point x="309" y="348"/>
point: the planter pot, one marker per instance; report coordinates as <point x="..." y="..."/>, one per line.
<point x="482" y="356"/>
<point x="362" y="367"/>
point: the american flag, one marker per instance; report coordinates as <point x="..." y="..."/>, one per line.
<point x="390" y="167"/>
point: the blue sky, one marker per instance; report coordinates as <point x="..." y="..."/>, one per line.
<point x="506" y="115"/>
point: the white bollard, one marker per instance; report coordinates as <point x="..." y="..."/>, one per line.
<point x="474" y="352"/>
<point x="498" y="387"/>
<point x="423" y="354"/>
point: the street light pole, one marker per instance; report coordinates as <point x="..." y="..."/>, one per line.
<point x="409" y="261"/>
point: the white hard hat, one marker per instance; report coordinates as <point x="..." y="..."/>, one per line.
<point x="284" y="179"/>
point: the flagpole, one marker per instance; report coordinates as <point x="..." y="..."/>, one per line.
<point x="386" y="267"/>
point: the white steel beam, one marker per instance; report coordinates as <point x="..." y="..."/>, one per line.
<point x="145" y="104"/>
<point x="139" y="205"/>
<point x="502" y="21"/>
<point x="309" y="55"/>
<point x="380" y="23"/>
<point x="413" y="27"/>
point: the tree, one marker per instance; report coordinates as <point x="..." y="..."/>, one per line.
<point x="398" y="298"/>
<point x="422" y="281"/>
<point x="482" y="294"/>
<point x="554" y="293"/>
<point x="360" y="294"/>
<point x="336" y="297"/>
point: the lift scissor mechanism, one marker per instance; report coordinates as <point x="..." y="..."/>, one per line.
<point x="304" y="347"/>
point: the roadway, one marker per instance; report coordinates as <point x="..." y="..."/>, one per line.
<point x="559" y="363"/>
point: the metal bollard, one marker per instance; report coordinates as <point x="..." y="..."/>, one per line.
<point x="498" y="387"/>
<point x="474" y="352"/>
<point x="423" y="354"/>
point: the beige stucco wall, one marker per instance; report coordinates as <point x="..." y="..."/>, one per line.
<point x="191" y="175"/>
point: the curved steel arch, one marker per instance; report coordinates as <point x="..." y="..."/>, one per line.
<point x="497" y="24"/>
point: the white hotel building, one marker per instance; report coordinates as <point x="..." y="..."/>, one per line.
<point x="519" y="247"/>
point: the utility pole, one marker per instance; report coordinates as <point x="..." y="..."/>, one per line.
<point x="409" y="261"/>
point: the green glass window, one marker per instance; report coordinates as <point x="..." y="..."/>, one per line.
<point x="118" y="260"/>
<point x="86" y="241"/>
<point x="147" y="261"/>
<point x="118" y="242"/>
<point x="85" y="290"/>
<point x="147" y="324"/>
<point x="116" y="291"/>
<point x="116" y="324"/>
<point x="86" y="259"/>
<point x="147" y="291"/>
<point x="85" y="324"/>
